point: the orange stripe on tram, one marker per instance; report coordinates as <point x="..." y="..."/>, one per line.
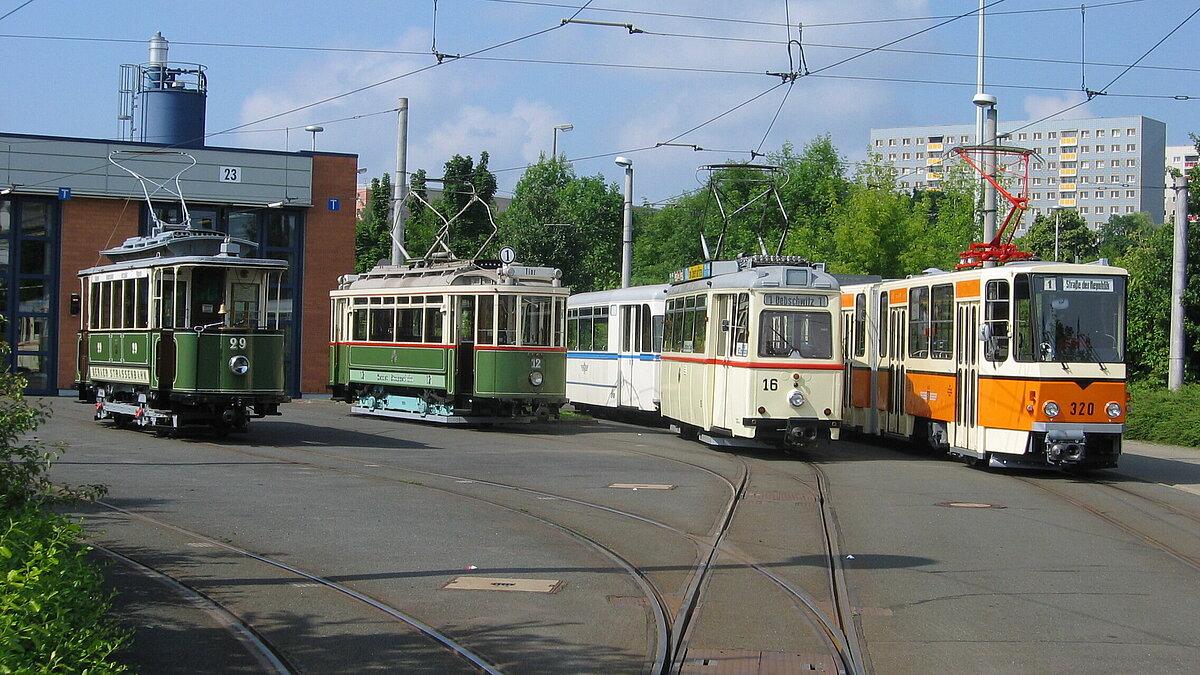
<point x="967" y="288"/>
<point x="930" y="395"/>
<point x="1015" y="403"/>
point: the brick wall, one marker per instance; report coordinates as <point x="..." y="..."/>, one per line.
<point x="328" y="254"/>
<point x="88" y="227"/>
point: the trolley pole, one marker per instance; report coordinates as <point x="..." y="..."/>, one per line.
<point x="1178" y="284"/>
<point x="400" y="182"/>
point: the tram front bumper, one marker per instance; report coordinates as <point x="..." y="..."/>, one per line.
<point x="796" y="431"/>
<point x="1081" y="446"/>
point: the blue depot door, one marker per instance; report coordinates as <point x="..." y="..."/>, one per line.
<point x="29" y="289"/>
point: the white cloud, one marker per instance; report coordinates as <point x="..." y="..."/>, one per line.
<point x="1038" y="106"/>
<point x="523" y="131"/>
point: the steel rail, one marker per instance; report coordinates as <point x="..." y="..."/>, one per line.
<point x="421" y="626"/>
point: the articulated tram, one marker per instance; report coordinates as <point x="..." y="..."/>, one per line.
<point x="752" y="353"/>
<point x="453" y="342"/>
<point x="614" y="347"/>
<point x="1017" y="365"/>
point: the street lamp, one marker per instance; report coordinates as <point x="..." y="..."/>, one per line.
<point x="627" y="230"/>
<point x="314" y="130"/>
<point x="554" y="143"/>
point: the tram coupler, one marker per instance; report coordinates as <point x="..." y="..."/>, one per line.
<point x="802" y="433"/>
<point x="1065" y="447"/>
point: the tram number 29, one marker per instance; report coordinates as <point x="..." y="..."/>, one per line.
<point x="770" y="384"/>
<point x="1081" y="408"/>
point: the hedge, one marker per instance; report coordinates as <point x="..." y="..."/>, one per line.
<point x="1162" y="416"/>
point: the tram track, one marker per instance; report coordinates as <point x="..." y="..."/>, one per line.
<point x="830" y="630"/>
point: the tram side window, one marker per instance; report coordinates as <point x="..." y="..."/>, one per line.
<point x="600" y="329"/>
<point x="94" y="305"/>
<point x="668" y="344"/>
<point x="689" y="323"/>
<point x="860" y="324"/>
<point x="883" y="323"/>
<point x="918" y="322"/>
<point x="701" y="331"/>
<point x="487" y="312"/>
<point x="996" y="307"/>
<point x="360" y="325"/>
<point x="942" y="322"/>
<point x="408" y="324"/>
<point x="584" y="326"/>
<point x="645" y="330"/>
<point x="741" y="325"/>
<point x="572" y="329"/>
<point x="433" y="325"/>
<point x="466" y="318"/>
<point x="1023" y="318"/>
<point x="383" y="324"/>
<point x="536" y="318"/>
<point x="628" y="319"/>
<point x="506" y="330"/>
<point x="560" y="317"/>
<point x="169" y="316"/>
<point x="128" y="302"/>
<point x="657" y="332"/>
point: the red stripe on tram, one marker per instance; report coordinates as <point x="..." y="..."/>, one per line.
<point x="755" y="364"/>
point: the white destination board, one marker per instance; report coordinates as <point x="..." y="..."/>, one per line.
<point x="1087" y="284"/>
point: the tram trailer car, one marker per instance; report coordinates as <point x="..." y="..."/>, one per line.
<point x="456" y="342"/>
<point x="752" y="353"/>
<point x="614" y="346"/>
<point x="1017" y="365"/>
<point x="182" y="330"/>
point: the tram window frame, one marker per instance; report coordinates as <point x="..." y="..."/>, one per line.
<point x="700" y="333"/>
<point x="572" y="329"/>
<point x="941" y="322"/>
<point x="689" y="324"/>
<point x="434" y="318"/>
<point x="506" y="321"/>
<point x="559" y="305"/>
<point x="141" y="311"/>
<point x="741" y="323"/>
<point x="997" y="308"/>
<point x="813" y="320"/>
<point x="94" y="305"/>
<point x="381" y="324"/>
<point x="464" y="309"/>
<point x="359" y="321"/>
<point x="1022" y="319"/>
<point x="918" y="322"/>
<point x="657" y="328"/>
<point x="668" y="339"/>
<point x="409" y="324"/>
<point x="585" y="329"/>
<point x="128" y="303"/>
<point x="247" y="311"/>
<point x="860" y="324"/>
<point x="645" y="343"/>
<point x="539" y="310"/>
<point x="485" y="330"/>
<point x="600" y="327"/>
<point x="882" y="321"/>
<point x="627" y="324"/>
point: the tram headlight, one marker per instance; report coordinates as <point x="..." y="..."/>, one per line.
<point x="1050" y="408"/>
<point x="536" y="378"/>
<point x="239" y="365"/>
<point x="1113" y="409"/>
<point x="796" y="398"/>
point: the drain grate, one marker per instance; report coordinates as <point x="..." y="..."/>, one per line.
<point x="779" y="496"/>
<point x="741" y="661"/>
<point x="504" y="584"/>
<point x="642" y="486"/>
<point x="969" y="505"/>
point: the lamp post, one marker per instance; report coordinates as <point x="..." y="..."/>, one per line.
<point x="314" y="130"/>
<point x="627" y="230"/>
<point x="554" y="142"/>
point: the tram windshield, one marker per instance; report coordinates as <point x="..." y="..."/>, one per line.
<point x="1070" y="318"/>
<point x="795" y="335"/>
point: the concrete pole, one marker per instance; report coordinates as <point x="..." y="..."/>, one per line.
<point x="627" y="230"/>
<point x="980" y="138"/>
<point x="400" y="181"/>
<point x="1178" y="284"/>
<point x="989" y="190"/>
<point x="1057" y="212"/>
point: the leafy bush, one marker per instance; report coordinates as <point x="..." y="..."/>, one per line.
<point x="1162" y="416"/>
<point x="53" y="609"/>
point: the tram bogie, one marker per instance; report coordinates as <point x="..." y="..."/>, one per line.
<point x="454" y="342"/>
<point x="752" y="353"/>
<point x="1018" y="365"/>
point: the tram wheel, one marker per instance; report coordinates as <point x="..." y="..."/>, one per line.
<point x="981" y="463"/>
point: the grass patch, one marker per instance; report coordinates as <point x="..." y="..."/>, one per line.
<point x="53" y="607"/>
<point x="1161" y="416"/>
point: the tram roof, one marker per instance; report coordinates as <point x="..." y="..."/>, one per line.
<point x="181" y="261"/>
<point x="452" y="273"/>
<point x="774" y="277"/>
<point x="1000" y="271"/>
<point x="621" y="295"/>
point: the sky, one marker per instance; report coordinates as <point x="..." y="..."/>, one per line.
<point x="506" y="100"/>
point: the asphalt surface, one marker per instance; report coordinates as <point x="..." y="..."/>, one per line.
<point x="330" y="540"/>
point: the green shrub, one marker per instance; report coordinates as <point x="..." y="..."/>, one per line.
<point x="1162" y="416"/>
<point x="53" y="607"/>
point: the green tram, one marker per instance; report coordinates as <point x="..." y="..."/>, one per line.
<point x="453" y="341"/>
<point x="180" y="330"/>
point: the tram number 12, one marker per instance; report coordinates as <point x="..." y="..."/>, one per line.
<point x="771" y="384"/>
<point x="1081" y="408"/>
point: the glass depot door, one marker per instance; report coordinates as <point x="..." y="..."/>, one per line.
<point x="28" y="289"/>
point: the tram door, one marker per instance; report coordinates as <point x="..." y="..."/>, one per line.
<point x="966" y="374"/>
<point x="897" y="335"/>
<point x="626" y="394"/>
<point x="465" y="361"/>
<point x="724" y="321"/>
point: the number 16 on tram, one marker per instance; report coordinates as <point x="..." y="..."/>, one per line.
<point x="752" y="353"/>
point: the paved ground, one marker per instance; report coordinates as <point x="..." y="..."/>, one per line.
<point x="327" y="542"/>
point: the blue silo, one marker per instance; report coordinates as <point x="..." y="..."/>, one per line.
<point x="170" y="99"/>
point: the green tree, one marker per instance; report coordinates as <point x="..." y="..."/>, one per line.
<point x="372" y="231"/>
<point x="562" y="220"/>
<point x="1076" y="241"/>
<point x="872" y="225"/>
<point x="1121" y="232"/>
<point x="461" y="176"/>
<point x="1149" y="312"/>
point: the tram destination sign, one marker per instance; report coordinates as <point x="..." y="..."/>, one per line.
<point x="1087" y="284"/>
<point x="793" y="300"/>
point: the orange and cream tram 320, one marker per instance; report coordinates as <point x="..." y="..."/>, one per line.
<point x="752" y="353"/>
<point x="1017" y="365"/>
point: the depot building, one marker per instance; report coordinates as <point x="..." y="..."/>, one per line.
<point x="62" y="202"/>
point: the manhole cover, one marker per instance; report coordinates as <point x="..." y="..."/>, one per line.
<point x="969" y="505"/>
<point x="642" y="486"/>
<point x="503" y="584"/>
